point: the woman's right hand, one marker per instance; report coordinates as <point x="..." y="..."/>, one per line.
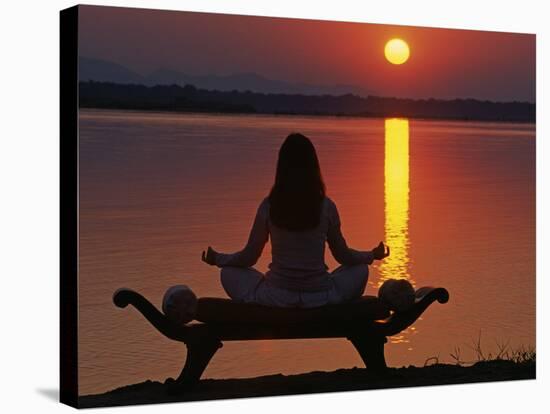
<point x="380" y="251"/>
<point x="209" y="256"/>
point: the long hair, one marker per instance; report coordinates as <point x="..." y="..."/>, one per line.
<point x="297" y="195"/>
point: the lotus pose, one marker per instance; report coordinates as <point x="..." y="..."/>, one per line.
<point x="299" y="218"/>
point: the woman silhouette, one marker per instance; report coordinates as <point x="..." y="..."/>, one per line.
<point x="299" y="218"/>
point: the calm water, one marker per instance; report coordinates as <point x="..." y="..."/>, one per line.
<point x="454" y="200"/>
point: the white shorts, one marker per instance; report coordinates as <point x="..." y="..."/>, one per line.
<point x="251" y="286"/>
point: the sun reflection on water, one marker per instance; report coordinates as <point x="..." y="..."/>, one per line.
<point x="396" y="200"/>
<point x="396" y="206"/>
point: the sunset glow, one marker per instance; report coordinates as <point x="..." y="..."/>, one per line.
<point x="397" y="51"/>
<point x="315" y="52"/>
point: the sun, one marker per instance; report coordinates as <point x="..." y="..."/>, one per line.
<point x="397" y="51"/>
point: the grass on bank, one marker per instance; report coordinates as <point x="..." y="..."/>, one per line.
<point x="519" y="355"/>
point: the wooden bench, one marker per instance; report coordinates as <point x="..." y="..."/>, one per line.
<point x="366" y="323"/>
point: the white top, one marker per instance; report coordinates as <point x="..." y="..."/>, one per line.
<point x="297" y="257"/>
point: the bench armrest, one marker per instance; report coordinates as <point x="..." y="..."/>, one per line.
<point x="400" y="321"/>
<point x="124" y="297"/>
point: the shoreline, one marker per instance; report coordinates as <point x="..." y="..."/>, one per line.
<point x="308" y="115"/>
<point x="353" y="379"/>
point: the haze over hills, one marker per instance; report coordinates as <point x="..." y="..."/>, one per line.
<point x="106" y="71"/>
<point x="105" y="84"/>
<point x="101" y="70"/>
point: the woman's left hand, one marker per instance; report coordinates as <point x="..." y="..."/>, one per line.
<point x="209" y="256"/>
<point x="380" y="251"/>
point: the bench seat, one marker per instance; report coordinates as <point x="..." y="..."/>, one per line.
<point x="365" y="322"/>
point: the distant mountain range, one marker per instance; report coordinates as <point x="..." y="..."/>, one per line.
<point x="192" y="99"/>
<point x="105" y="71"/>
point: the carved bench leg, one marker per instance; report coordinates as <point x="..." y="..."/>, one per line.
<point x="371" y="350"/>
<point x="199" y="354"/>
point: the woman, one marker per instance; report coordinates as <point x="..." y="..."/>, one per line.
<point x="299" y="218"/>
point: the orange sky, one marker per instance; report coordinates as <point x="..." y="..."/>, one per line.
<point x="443" y="63"/>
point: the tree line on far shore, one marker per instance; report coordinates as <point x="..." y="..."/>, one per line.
<point x="188" y="98"/>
